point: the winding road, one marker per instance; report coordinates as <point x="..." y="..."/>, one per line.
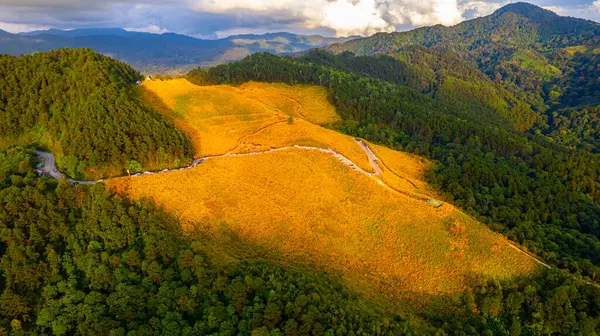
<point x="49" y="167"/>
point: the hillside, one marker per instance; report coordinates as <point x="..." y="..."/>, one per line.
<point x="376" y="231"/>
<point x="160" y="53"/>
<point x="543" y="59"/>
<point x="520" y="185"/>
<point x="281" y="235"/>
<point x="83" y="107"/>
<point x="442" y="75"/>
<point x="251" y="117"/>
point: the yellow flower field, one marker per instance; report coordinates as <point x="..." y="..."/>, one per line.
<point x="307" y="208"/>
<point x="251" y="117"/>
<point x="303" y="101"/>
<point x="402" y="170"/>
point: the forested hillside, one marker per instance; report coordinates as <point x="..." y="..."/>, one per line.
<point x="75" y="260"/>
<point x="83" y="106"/>
<point x="546" y="61"/>
<point x="442" y="75"/>
<point x="539" y="194"/>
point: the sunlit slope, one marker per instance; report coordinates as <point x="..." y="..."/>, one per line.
<point x="252" y="117"/>
<point x="403" y="171"/>
<point x="215" y="117"/>
<point x="304" y="101"/>
<point x="307" y="207"/>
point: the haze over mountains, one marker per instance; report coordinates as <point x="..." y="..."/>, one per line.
<point x="156" y="53"/>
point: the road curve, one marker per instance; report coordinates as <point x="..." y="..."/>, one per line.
<point x="49" y="165"/>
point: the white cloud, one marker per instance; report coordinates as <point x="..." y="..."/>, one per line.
<point x="481" y="8"/>
<point x="590" y="11"/>
<point x="149" y="29"/>
<point x="19" y="27"/>
<point x="345" y="17"/>
<point x="217" y="18"/>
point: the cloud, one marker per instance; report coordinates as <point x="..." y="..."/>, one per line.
<point x="345" y="17"/>
<point x="218" y="18"/>
<point x="590" y="11"/>
<point x="148" y="29"/>
<point x="19" y="27"/>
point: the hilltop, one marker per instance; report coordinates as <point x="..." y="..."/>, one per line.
<point x="84" y="108"/>
<point x="530" y="57"/>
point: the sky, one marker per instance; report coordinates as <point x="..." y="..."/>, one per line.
<point x="212" y="19"/>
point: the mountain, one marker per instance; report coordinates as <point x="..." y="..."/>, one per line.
<point x="547" y="61"/>
<point x="83" y="32"/>
<point x="95" y="125"/>
<point x="156" y="53"/>
<point x="267" y="244"/>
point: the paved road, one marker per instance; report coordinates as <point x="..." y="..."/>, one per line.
<point x="49" y="167"/>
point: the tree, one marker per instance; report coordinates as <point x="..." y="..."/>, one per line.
<point x="133" y="166"/>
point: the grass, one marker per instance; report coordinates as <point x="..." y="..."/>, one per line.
<point x="533" y="62"/>
<point x="215" y="117"/>
<point x="303" y="101"/>
<point x="307" y="208"/>
<point x="575" y="49"/>
<point x="303" y="133"/>
<point x="403" y="171"/>
<point x="252" y="117"/>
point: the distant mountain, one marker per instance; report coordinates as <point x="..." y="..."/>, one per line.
<point x="82" y="32"/>
<point x="547" y="61"/>
<point x="158" y="53"/>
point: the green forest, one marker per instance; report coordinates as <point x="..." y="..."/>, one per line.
<point x="76" y="260"/>
<point x="533" y="59"/>
<point x="83" y="106"/>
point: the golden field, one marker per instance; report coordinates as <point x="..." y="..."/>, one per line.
<point x="251" y="117"/>
<point x="307" y="208"/>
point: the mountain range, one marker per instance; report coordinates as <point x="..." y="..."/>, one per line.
<point x="538" y="69"/>
<point x="160" y="53"/>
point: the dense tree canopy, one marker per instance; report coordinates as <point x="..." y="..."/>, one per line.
<point x="544" y="60"/>
<point x="84" y="107"/>
<point x="75" y="260"/>
<point x="442" y="75"/>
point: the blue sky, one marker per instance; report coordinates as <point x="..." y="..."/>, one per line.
<point x="220" y="18"/>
